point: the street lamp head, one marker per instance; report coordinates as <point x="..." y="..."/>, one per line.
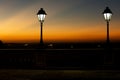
<point x="41" y="15"/>
<point x="107" y="14"/>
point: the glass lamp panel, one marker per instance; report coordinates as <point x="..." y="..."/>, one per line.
<point x="41" y="17"/>
<point x="107" y="16"/>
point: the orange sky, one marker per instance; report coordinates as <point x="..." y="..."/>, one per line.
<point x="60" y="24"/>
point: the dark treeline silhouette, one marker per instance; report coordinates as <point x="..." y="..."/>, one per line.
<point x="1" y="44"/>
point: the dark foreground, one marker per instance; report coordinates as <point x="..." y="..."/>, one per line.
<point x="19" y="74"/>
<point x="59" y="59"/>
<point x="59" y="64"/>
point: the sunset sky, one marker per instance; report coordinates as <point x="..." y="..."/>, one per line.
<point x="66" y="20"/>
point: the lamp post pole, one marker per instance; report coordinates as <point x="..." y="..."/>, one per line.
<point x="107" y="15"/>
<point x="41" y="34"/>
<point x="108" y="38"/>
<point x="41" y="17"/>
<point x="109" y="55"/>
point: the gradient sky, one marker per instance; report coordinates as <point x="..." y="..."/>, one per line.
<point x="66" y="20"/>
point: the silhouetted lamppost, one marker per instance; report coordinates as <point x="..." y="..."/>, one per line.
<point x="107" y="15"/>
<point x="41" y="17"/>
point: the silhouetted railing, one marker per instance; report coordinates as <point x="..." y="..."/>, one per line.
<point x="50" y="58"/>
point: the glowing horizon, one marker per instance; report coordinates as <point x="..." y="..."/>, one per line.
<point x="71" y="22"/>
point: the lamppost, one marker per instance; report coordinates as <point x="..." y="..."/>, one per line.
<point x="41" y="17"/>
<point x="107" y="15"/>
